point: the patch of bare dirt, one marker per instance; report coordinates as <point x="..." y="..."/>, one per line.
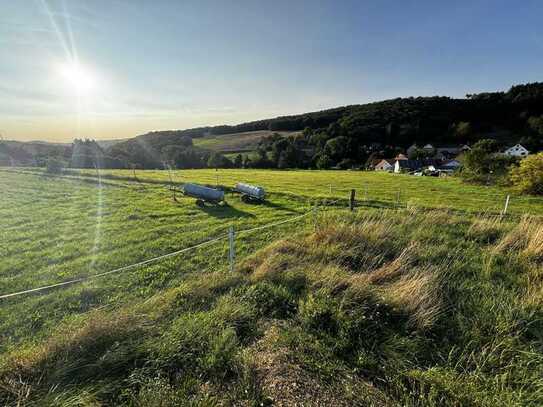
<point x="288" y="384"/>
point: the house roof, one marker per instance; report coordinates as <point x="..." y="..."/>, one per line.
<point x="450" y="163"/>
<point x="410" y="164"/>
<point x="520" y="146"/>
<point x="385" y="160"/>
<point x="375" y="161"/>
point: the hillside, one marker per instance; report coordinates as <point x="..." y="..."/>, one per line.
<point x="236" y="142"/>
<point x="344" y="136"/>
<point x="32" y="153"/>
<point x="360" y="130"/>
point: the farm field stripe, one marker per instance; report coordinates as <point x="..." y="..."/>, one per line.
<point x="142" y="263"/>
<point x="118" y="270"/>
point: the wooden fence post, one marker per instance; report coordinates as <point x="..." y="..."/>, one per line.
<point x="351" y="199"/>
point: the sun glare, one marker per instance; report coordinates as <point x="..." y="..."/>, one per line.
<point x="79" y="78"/>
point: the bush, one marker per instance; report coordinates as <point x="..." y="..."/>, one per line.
<point x="346" y="164"/>
<point x="319" y="313"/>
<point x="270" y="300"/>
<point x="54" y="166"/>
<point x="323" y="162"/>
<point x="528" y="176"/>
<point x="484" y="164"/>
<point x="217" y="160"/>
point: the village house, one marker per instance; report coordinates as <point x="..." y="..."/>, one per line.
<point x="447" y="152"/>
<point x="384" y="165"/>
<point x="517" y="150"/>
<point x="450" y="165"/>
<point x="416" y="165"/>
<point x="430" y="149"/>
<point x="407" y="165"/>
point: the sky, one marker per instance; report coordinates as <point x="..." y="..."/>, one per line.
<point x="108" y="69"/>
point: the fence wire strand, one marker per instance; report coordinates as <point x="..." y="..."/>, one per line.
<point x="152" y="260"/>
<point x="117" y="270"/>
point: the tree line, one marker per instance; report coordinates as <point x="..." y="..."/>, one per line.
<point x="347" y="137"/>
<point x="343" y="137"/>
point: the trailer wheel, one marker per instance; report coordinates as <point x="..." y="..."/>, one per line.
<point x="200" y="203"/>
<point x="245" y="198"/>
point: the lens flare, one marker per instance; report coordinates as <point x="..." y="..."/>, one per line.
<point x="78" y="77"/>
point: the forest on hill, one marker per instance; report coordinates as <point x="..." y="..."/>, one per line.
<point x="345" y="136"/>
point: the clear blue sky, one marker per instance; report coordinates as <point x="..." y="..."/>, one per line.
<point x="117" y="68"/>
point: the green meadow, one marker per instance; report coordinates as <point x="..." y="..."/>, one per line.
<point x="434" y="299"/>
<point x="235" y="142"/>
<point x="371" y="187"/>
<point x="56" y="229"/>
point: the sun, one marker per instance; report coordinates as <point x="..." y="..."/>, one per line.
<point x="78" y="77"/>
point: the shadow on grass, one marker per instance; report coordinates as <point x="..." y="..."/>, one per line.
<point x="224" y="211"/>
<point x="266" y="202"/>
<point x="275" y="205"/>
<point x="377" y="204"/>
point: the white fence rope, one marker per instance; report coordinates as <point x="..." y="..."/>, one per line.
<point x="118" y="270"/>
<point x="269" y="225"/>
<point x="152" y="260"/>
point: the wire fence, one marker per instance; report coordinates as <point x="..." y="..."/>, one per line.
<point x="218" y="253"/>
<point x="229" y="238"/>
<point x="28" y="310"/>
<point x="367" y="195"/>
<point x="396" y="200"/>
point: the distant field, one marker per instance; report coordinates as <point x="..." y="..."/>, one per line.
<point x="235" y="142"/>
<point x="371" y="187"/>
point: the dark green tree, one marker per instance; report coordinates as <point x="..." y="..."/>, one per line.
<point x="238" y="161"/>
<point x="323" y="162"/>
<point x="217" y="160"/>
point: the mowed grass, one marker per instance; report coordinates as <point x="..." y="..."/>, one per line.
<point x="372" y="188"/>
<point x="54" y="229"/>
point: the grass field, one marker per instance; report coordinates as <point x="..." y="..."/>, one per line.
<point x="373" y="188"/>
<point x="385" y="306"/>
<point x="56" y="229"/>
<point x="235" y="142"/>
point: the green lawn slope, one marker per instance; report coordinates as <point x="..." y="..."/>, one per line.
<point x="376" y="307"/>
<point x="235" y="142"/>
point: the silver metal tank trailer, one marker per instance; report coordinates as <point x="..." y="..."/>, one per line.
<point x="250" y="191"/>
<point x="203" y="194"/>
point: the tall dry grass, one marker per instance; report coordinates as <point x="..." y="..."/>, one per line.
<point x="525" y="240"/>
